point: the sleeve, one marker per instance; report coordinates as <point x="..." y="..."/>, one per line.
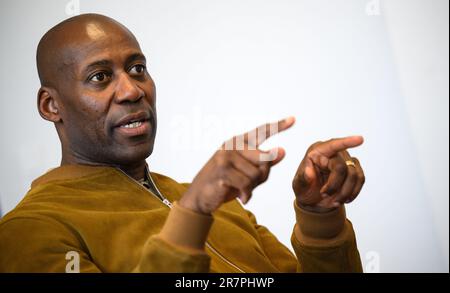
<point x="325" y="242"/>
<point x="30" y="245"/>
<point x="322" y="243"/>
<point x="179" y="247"/>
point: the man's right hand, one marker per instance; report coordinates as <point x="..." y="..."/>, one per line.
<point x="235" y="170"/>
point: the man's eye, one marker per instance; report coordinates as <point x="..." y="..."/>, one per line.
<point x="99" y="77"/>
<point x="137" y="69"/>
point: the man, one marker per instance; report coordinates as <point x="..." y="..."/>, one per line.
<point x="103" y="211"/>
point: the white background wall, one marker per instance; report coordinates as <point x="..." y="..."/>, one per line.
<point x="376" y="68"/>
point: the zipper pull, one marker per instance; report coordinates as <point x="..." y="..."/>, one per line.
<point x="167" y="202"/>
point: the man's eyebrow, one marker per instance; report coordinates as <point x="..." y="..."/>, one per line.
<point x="134" y="57"/>
<point x="103" y="62"/>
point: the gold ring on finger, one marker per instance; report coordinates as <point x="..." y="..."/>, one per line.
<point x="350" y="163"/>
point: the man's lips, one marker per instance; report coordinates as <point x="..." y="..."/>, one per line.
<point x="133" y="117"/>
<point x="134" y="124"/>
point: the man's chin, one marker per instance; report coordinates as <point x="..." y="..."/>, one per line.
<point x="132" y="154"/>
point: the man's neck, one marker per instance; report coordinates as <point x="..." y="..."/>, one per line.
<point x="136" y="171"/>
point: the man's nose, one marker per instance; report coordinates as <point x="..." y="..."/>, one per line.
<point x="127" y="90"/>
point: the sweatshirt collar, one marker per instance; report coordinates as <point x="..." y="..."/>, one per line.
<point x="68" y="172"/>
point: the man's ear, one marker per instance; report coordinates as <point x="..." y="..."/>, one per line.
<point x="48" y="105"/>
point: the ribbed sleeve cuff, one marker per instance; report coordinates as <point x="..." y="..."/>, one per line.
<point x="320" y="225"/>
<point x="186" y="229"/>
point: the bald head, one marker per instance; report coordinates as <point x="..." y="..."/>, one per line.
<point x="61" y="47"/>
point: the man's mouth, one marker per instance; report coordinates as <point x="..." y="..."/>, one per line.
<point x="134" y="124"/>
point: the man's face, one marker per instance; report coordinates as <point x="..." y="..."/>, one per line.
<point x="108" y="98"/>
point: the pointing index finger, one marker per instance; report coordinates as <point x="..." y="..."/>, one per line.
<point x="260" y="134"/>
<point x="335" y="145"/>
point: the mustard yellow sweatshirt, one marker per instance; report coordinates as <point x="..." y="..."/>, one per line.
<point x="117" y="225"/>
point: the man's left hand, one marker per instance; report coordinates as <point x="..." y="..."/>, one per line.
<point x="328" y="176"/>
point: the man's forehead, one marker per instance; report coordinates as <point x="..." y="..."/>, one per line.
<point x="96" y="43"/>
<point x="88" y="49"/>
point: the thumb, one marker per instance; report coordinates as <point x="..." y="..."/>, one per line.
<point x="309" y="171"/>
<point x="306" y="175"/>
<point x="274" y="156"/>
